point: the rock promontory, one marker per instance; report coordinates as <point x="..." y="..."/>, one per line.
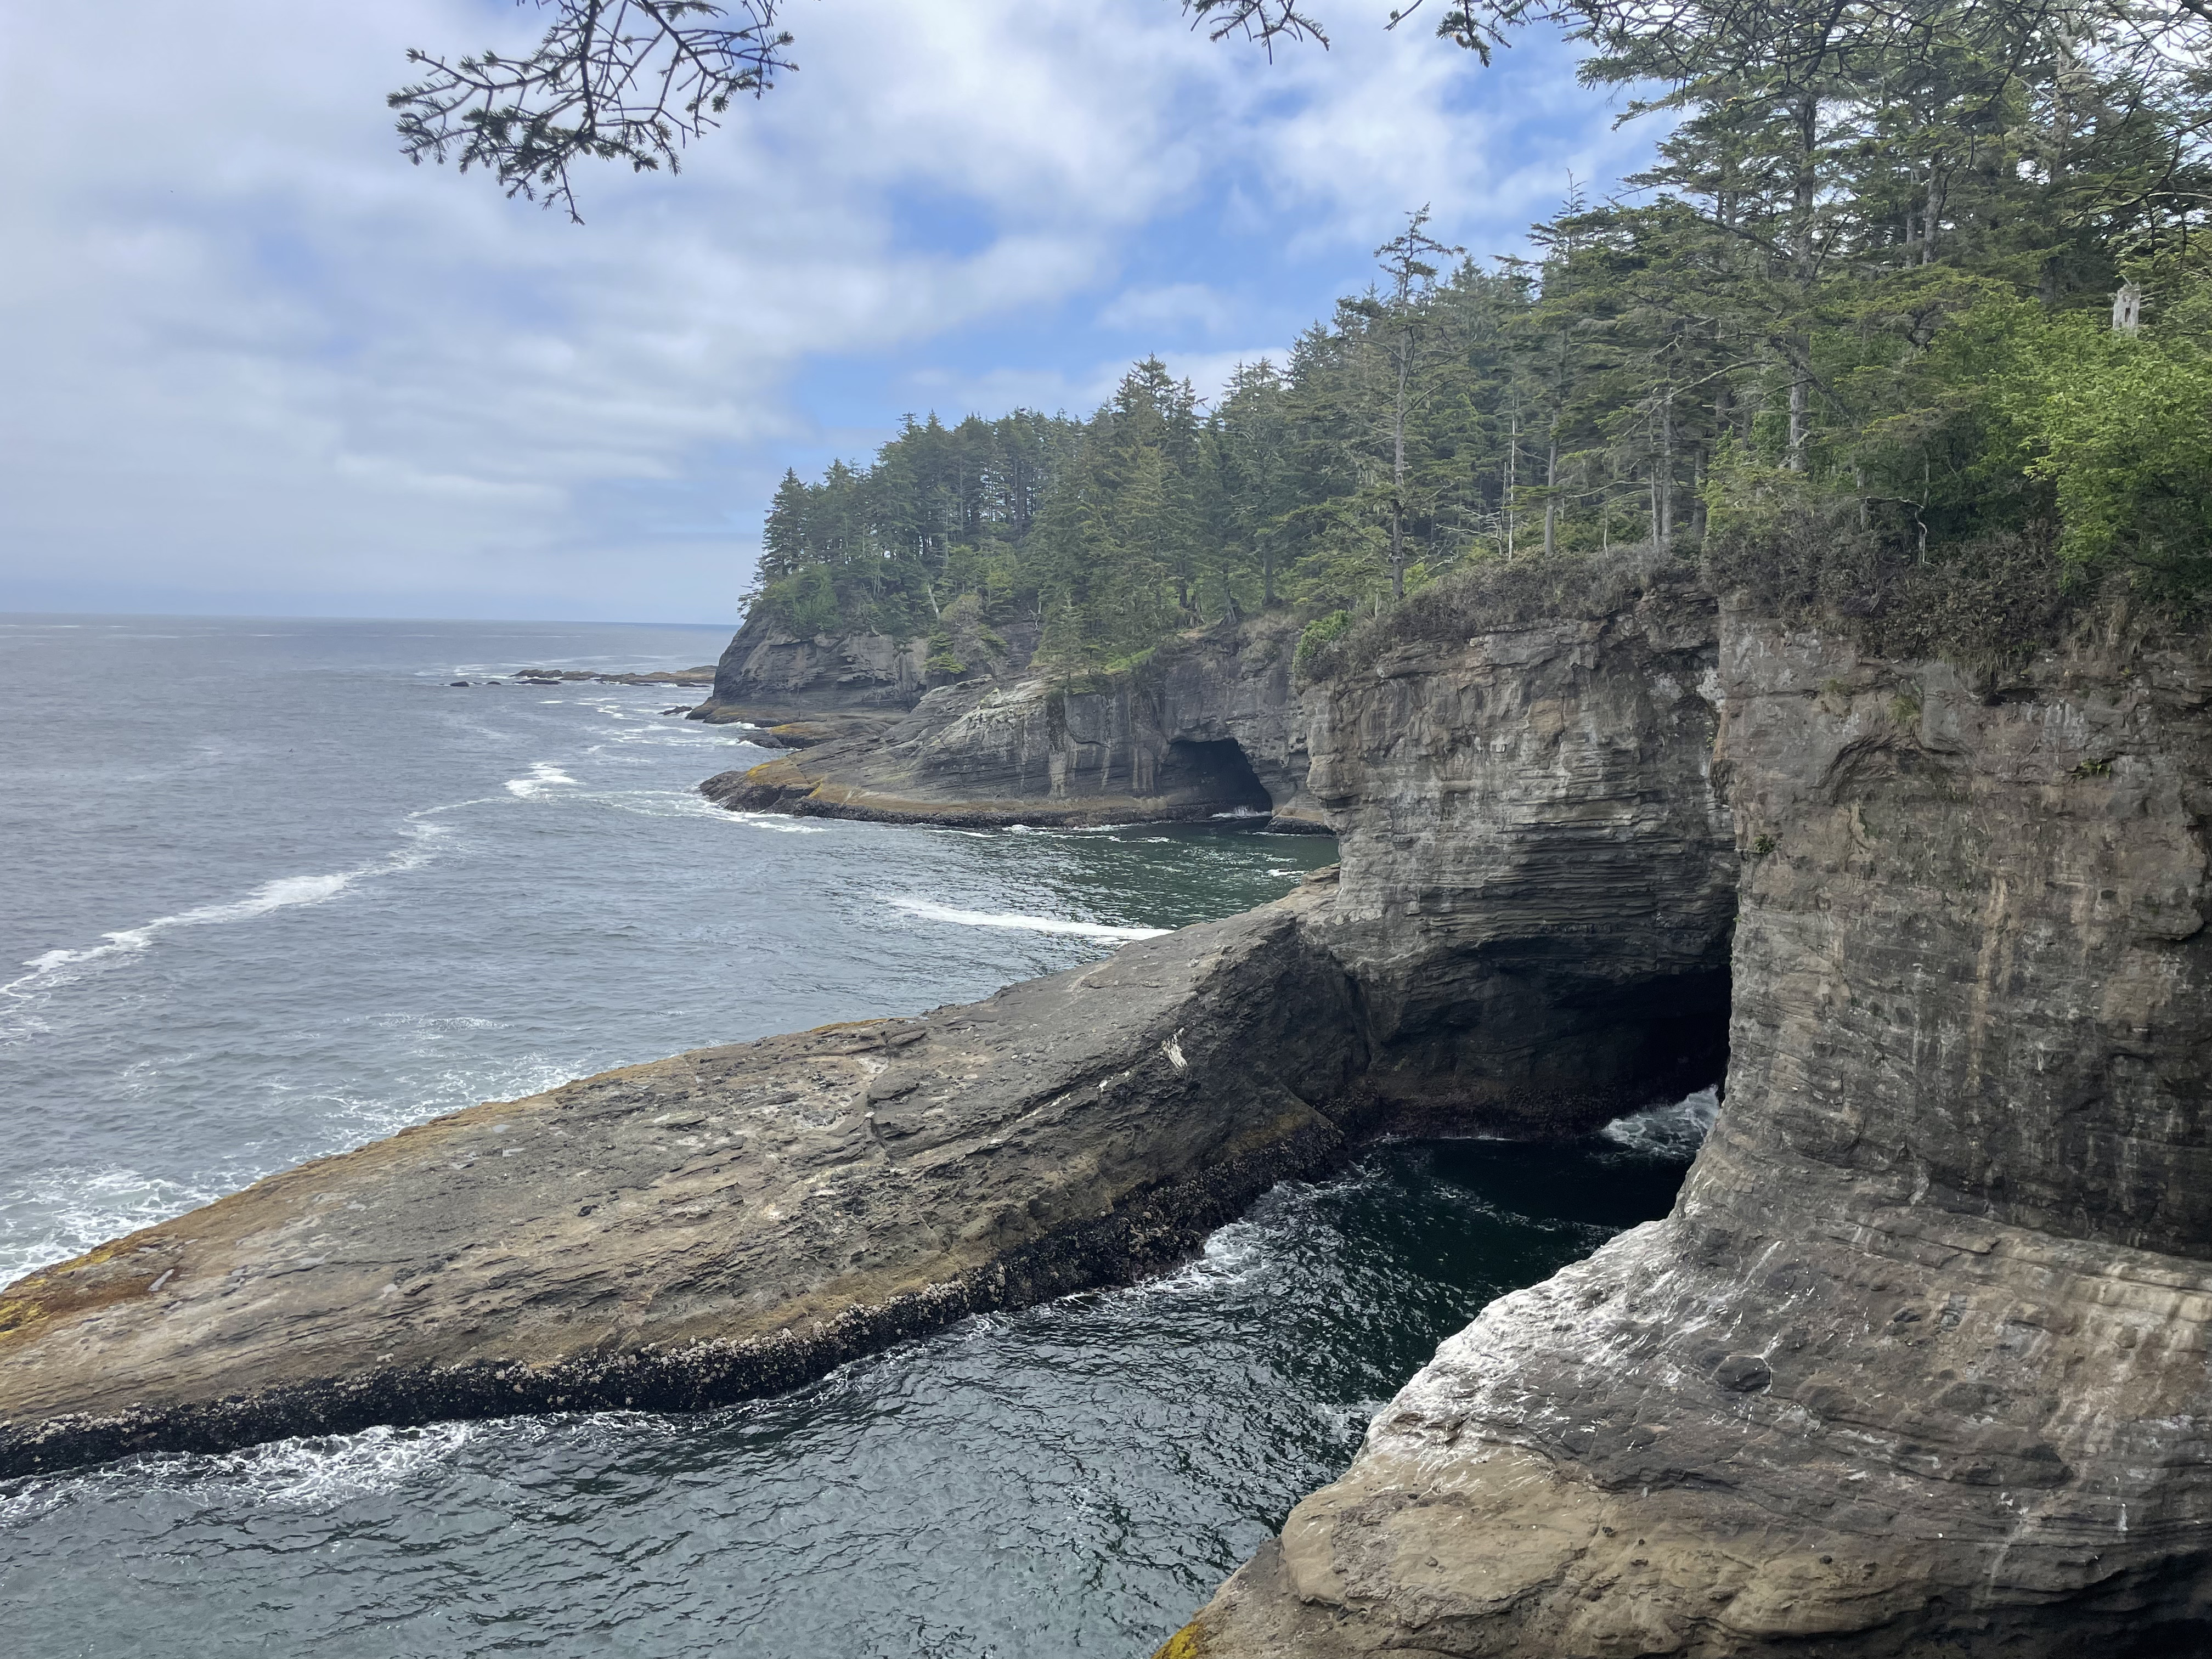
<point x="726" y="1223"/>
<point x="1922" y="1361"/>
<point x="1539" y="869"/>
<point x="736" y="1220"/>
<point x="1208" y="726"/>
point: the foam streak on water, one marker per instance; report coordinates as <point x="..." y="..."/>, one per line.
<point x="52" y="969"/>
<point x="931" y="911"/>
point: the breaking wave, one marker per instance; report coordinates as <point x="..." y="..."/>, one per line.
<point x="53" y="969"/>
<point x="543" y="777"/>
<point x="930" y="912"/>
<point x="1674" y="1131"/>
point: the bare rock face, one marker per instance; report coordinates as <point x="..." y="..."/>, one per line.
<point x="726" y="1223"/>
<point x="769" y="674"/>
<point x="766" y="672"/>
<point x="1920" y="1364"/>
<point x="1209" y="727"/>
<point x="1539" y="874"/>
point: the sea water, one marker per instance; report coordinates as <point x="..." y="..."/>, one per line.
<point x="279" y="888"/>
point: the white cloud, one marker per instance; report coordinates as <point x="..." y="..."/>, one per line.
<point x="247" y="350"/>
<point x="1176" y="308"/>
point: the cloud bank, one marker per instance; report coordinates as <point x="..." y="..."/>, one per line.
<point x="253" y="361"/>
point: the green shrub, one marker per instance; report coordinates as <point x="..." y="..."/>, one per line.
<point x="1319" y="635"/>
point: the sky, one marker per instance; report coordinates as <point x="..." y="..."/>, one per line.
<point x="252" y="363"/>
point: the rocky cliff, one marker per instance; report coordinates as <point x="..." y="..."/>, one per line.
<point x="1538" y="873"/>
<point x="1919" y="1364"/>
<point x="737" y="1220"/>
<point x="769" y="674"/>
<point x="1209" y="727"/>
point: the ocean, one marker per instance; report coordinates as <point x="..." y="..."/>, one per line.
<point x="279" y="888"/>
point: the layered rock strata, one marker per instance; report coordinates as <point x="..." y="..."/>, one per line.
<point x="726" y="1223"/>
<point x="1209" y="727"/>
<point x="1920" y="1362"/>
<point x="769" y="674"/>
<point x="1539" y="871"/>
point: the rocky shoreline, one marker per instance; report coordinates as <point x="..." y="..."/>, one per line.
<point x="730" y="1222"/>
<point x="1209" y="727"/>
<point x="1918" y="1364"/>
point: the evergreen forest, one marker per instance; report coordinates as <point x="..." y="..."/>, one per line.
<point x="1909" y="320"/>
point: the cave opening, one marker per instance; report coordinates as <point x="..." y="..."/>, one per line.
<point x="1534" y="1044"/>
<point x="1214" y="775"/>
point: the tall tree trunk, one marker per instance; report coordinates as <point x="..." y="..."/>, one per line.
<point x="1552" y="501"/>
<point x="1665" y="478"/>
<point x="1512" y="481"/>
<point x="1398" y="471"/>
<point x="1803" y="270"/>
<point x="1930" y="212"/>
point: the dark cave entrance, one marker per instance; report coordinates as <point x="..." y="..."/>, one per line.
<point x="1538" y="1041"/>
<point x="1214" y="775"/>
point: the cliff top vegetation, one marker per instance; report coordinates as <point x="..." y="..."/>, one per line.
<point x="1909" y="321"/>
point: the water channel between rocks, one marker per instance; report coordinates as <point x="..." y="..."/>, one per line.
<point x="310" y="892"/>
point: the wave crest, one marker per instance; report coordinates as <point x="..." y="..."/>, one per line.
<point x="933" y="912"/>
<point x="1672" y="1131"/>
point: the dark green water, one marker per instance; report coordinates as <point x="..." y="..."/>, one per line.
<point x="310" y="893"/>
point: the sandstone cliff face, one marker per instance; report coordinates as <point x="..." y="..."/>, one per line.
<point x="1920" y="1362"/>
<point x="766" y="670"/>
<point x="1538" y="873"/>
<point x="736" y="1220"/>
<point x="768" y="673"/>
<point x="1209" y="726"/>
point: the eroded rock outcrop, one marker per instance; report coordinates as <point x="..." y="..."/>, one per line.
<point x="726" y="1223"/>
<point x="1540" y="873"/>
<point x="1209" y="726"/>
<point x="1920" y="1362"/>
<point x="769" y="674"/>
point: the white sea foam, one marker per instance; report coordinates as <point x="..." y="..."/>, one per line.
<point x="932" y="912"/>
<point x="690" y="804"/>
<point x="311" y="1474"/>
<point x="53" y="969"/>
<point x="1244" y="812"/>
<point x="544" y="775"/>
<point x="1676" y="1130"/>
<point x="57" y="1213"/>
<point x="1232" y="1255"/>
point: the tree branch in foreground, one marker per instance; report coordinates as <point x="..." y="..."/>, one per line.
<point x="612" y="80"/>
<point x="1264" y="20"/>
